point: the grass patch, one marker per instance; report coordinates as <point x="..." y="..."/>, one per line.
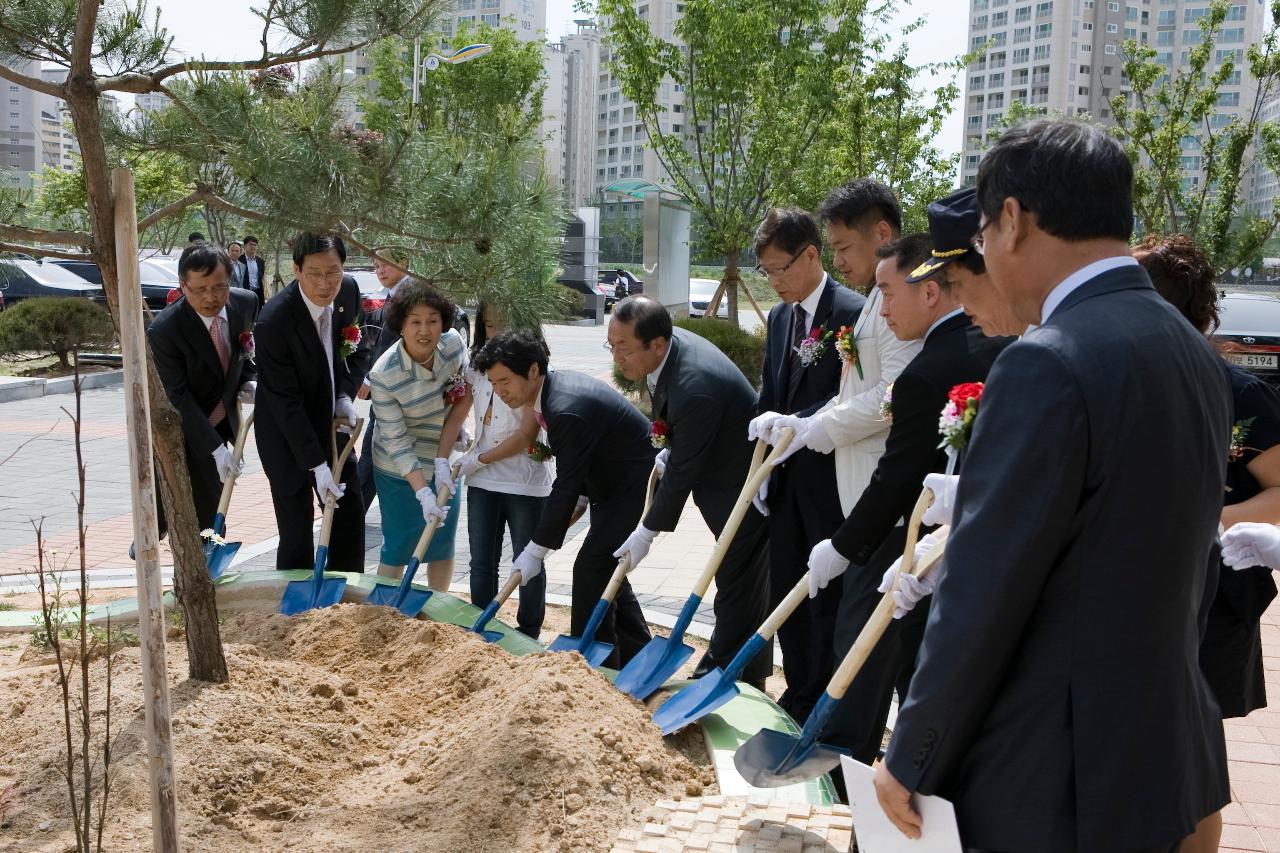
<point x="7" y="605"/>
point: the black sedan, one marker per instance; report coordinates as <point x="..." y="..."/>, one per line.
<point x="1249" y="333"/>
<point x="159" y="285"/>
<point x="23" y="278"/>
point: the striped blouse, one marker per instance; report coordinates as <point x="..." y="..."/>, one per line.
<point x="408" y="402"/>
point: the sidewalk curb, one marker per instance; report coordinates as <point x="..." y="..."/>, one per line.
<point x="27" y="389"/>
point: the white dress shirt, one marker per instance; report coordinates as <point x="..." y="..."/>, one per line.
<point x="326" y="341"/>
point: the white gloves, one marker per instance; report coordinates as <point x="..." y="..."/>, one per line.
<point x="529" y="563"/>
<point x="944" y="488"/>
<point x="325" y="484"/>
<point x="760" y="501"/>
<point x="802" y="427"/>
<point x="470" y="463"/>
<point x="430" y="509"/>
<point x="225" y="458"/>
<point x="660" y="461"/>
<point x="825" y="563"/>
<point x="638" y="543"/>
<point x="345" y="410"/>
<point x="444" y="475"/>
<point x="760" y="424"/>
<point x="247" y="392"/>
<point x="910" y="589"/>
<point x="1251" y="543"/>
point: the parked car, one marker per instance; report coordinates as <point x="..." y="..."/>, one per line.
<point x="700" y="292"/>
<point x="159" y="285"/>
<point x="25" y="278"/>
<point x="1249" y="334"/>
<point x="373" y="296"/>
<point x="617" y="284"/>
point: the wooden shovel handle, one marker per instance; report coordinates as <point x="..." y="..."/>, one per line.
<point x="224" y="502"/>
<point x="883" y="614"/>
<point x="783" y="611"/>
<point x="624" y="565"/>
<point x="509" y="587"/>
<point x="749" y="489"/>
<point x="442" y="497"/>
<point x="340" y="459"/>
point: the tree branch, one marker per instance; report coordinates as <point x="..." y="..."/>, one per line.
<point x="170" y="209"/>
<point x="33" y="83"/>
<point x="67" y="238"/>
<point x="82" y="42"/>
<point x="44" y="253"/>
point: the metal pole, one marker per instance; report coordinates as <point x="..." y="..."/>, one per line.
<point x="155" y="684"/>
<point x="417" y="67"/>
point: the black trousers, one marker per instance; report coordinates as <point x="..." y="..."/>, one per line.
<point x="206" y="488"/>
<point x="798" y="520"/>
<point x="624" y="625"/>
<point x="741" y="602"/>
<point x="859" y="720"/>
<point x="295" y="514"/>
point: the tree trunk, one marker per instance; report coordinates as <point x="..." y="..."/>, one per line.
<point x="192" y="585"/>
<point x="732" y="281"/>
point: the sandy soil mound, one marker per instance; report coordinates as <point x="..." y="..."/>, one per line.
<point x="354" y="728"/>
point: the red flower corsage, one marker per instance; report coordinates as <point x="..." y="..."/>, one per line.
<point x="247" y="344"/>
<point x="455" y="389"/>
<point x="658" y="434"/>
<point x="350" y="340"/>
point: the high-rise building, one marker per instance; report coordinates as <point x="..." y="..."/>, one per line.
<point x="59" y="143"/>
<point x="20" y="134"/>
<point x="622" y="143"/>
<point x="151" y="102"/>
<point x="572" y="65"/>
<point x="1262" y="186"/>
<point x="1066" y="57"/>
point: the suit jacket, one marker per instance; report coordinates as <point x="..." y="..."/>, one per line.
<point x="707" y="404"/>
<point x="817" y="383"/>
<point x="262" y="274"/>
<point x="1059" y="700"/>
<point x="954" y="352"/>
<point x="190" y="371"/>
<point x="239" y="275"/>
<point x="601" y="446"/>
<point x="852" y="421"/>
<point x="294" y="404"/>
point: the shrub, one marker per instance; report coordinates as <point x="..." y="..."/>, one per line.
<point x="60" y="326"/>
<point x="745" y="349"/>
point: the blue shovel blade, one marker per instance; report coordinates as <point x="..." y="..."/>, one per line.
<point x="595" y="652"/>
<point x="221" y="557"/>
<point x="384" y="595"/>
<point x="650" y="669"/>
<point x="492" y="636"/>
<point x="486" y="615"/>
<point x="771" y="759"/>
<point x="413" y="601"/>
<point x="300" y="596"/>
<point x="695" y="701"/>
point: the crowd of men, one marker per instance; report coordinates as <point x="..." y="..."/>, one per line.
<point x="1050" y="684"/>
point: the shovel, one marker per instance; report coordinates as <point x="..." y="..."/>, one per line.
<point x="219" y="553"/>
<point x="662" y="656"/>
<point x="320" y="591"/>
<point x="405" y="597"/>
<point x="595" y="652"/>
<point x="771" y="758"/>
<point x="491" y="610"/>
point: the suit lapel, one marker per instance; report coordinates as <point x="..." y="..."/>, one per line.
<point x="235" y="325"/>
<point x="669" y="370"/>
<point x="819" y="318"/>
<point x="307" y="326"/>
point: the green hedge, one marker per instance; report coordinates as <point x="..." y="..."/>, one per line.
<point x="745" y="349"/>
<point x="55" y="325"/>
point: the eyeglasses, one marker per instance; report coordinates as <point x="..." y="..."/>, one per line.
<point x="978" y="241"/>
<point x="775" y="273"/>
<point x="623" y="353"/>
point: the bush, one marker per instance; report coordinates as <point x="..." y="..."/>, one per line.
<point x="60" y="326"/>
<point x="745" y="349"/>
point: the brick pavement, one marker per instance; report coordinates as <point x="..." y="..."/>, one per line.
<point x="724" y="824"/>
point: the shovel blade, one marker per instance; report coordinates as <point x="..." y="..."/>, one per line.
<point x="300" y="596"/>
<point x="413" y="601"/>
<point x="594" y="651"/>
<point x="650" y="669"/>
<point x="383" y="595"/>
<point x="695" y="701"/>
<point x="771" y="759"/>
<point x="490" y="610"/>
<point x="220" y="558"/>
<point x="492" y="636"/>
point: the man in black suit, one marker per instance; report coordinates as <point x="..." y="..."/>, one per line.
<point x="801" y="497"/>
<point x="235" y="250"/>
<point x="383" y="339"/>
<point x="917" y="305"/>
<point x="1058" y="700"/>
<point x="602" y="450"/>
<point x="311" y="363"/>
<point x="202" y="348"/>
<point x="255" y="269"/>
<point x="705" y="403"/>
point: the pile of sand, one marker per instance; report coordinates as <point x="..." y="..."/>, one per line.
<point x="354" y="728"/>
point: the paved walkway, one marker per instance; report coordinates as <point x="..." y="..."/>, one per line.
<point x="38" y="480"/>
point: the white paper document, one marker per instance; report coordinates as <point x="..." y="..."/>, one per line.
<point x="877" y="834"/>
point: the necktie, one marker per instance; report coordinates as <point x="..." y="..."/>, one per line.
<point x="224" y="358"/>
<point x="537" y="416"/>
<point x="799" y="330"/>
<point x="324" y="328"/>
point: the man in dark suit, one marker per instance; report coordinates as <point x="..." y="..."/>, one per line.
<point x="801" y="497"/>
<point x="311" y="363"/>
<point x="917" y="305"/>
<point x="235" y="250"/>
<point x="202" y="348"/>
<point x="1059" y="701"/>
<point x="705" y="403"/>
<point x="602" y="450"/>
<point x="255" y="269"/>
<point x="383" y="339"/>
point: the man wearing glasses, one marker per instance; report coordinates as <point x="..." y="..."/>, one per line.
<point x="311" y="364"/>
<point x="204" y="367"/>
<point x="801" y="374"/>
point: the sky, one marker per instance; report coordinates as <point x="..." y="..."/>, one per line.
<point x="231" y="31"/>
